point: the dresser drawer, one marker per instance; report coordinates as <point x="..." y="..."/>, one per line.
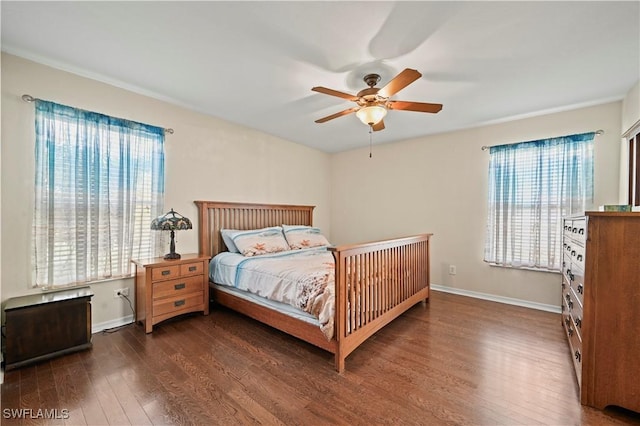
<point x="577" y="284"/>
<point x="575" y="343"/>
<point x="577" y="256"/>
<point x="177" y="287"/>
<point x="165" y="272"/>
<point x="191" y="269"/>
<point x="177" y="303"/>
<point x="579" y="230"/>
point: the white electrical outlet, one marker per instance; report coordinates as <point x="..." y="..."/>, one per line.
<point x="452" y="270"/>
<point x="120" y="292"/>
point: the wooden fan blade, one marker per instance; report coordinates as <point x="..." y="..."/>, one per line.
<point x="337" y="114"/>
<point x="335" y="93"/>
<point x="414" y="106"/>
<point x="399" y="82"/>
<point x="378" y="126"/>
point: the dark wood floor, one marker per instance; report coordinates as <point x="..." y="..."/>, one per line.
<point x="455" y="360"/>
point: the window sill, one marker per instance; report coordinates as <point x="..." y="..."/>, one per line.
<point x="46" y="289"/>
<point x="525" y="268"/>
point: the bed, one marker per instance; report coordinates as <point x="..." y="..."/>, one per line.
<point x="375" y="282"/>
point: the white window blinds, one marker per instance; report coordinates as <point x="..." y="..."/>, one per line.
<point x="99" y="182"/>
<point x="532" y="185"/>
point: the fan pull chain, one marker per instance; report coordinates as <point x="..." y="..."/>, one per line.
<point x="370" y="136"/>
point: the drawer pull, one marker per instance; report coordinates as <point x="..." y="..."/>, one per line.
<point x="581" y="231"/>
<point x="167" y="272"/>
<point x="569" y="302"/>
<point x="179" y="303"/>
<point x="578" y="322"/>
<point x="192" y="268"/>
<point x="570" y="331"/>
<point x="179" y="286"/>
<point x="573" y="252"/>
<point x="570" y="275"/>
<point x="579" y="258"/>
<point x="580" y="289"/>
<point x="578" y="356"/>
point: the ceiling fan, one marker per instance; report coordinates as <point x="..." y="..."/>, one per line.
<point x="373" y="102"/>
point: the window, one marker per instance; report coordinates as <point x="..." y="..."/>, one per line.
<point x="99" y="182"/>
<point x="532" y="185"/>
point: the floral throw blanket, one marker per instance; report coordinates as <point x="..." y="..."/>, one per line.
<point x="304" y="279"/>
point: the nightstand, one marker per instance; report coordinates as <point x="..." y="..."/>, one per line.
<point x="168" y="288"/>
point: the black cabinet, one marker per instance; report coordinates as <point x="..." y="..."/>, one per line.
<point x="42" y="326"/>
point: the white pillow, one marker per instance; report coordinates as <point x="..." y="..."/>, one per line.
<point x="227" y="237"/>
<point x="255" y="242"/>
<point x="300" y="236"/>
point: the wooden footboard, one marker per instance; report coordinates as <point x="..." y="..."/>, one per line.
<point x="375" y="283"/>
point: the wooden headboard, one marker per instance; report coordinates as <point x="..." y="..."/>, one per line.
<point x="216" y="215"/>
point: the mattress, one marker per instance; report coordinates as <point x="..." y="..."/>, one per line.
<point x="298" y="283"/>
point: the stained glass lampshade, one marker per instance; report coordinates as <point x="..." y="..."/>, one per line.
<point x="172" y="221"/>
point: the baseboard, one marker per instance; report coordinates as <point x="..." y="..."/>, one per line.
<point x="499" y="299"/>
<point x="118" y="322"/>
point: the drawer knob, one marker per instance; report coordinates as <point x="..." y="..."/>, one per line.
<point x="167" y="272"/>
<point x="192" y="268"/>
<point x="578" y="356"/>
<point x="178" y="303"/>
<point x="580" y="289"/>
<point x="578" y="322"/>
<point x="570" y="331"/>
<point x="179" y="286"/>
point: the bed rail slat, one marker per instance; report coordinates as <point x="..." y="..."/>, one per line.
<point x="378" y="280"/>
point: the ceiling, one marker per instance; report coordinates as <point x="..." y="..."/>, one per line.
<point x="254" y="63"/>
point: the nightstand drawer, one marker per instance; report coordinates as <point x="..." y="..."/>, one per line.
<point x="178" y="287"/>
<point x="191" y="268"/>
<point x="165" y="272"/>
<point x="177" y="303"/>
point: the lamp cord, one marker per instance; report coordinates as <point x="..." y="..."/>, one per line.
<point x="370" y="137"/>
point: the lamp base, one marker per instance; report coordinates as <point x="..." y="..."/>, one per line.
<point x="172" y="256"/>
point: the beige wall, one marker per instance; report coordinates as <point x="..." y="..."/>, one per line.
<point x="438" y="184"/>
<point x="206" y="159"/>
<point x="433" y="184"/>
<point x="631" y="108"/>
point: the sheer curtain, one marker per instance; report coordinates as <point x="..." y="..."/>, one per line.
<point x="99" y="182"/>
<point x="532" y="185"/>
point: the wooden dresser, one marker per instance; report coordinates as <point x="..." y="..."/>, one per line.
<point x="167" y="288"/>
<point x="601" y="306"/>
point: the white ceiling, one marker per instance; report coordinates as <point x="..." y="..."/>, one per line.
<point x="254" y="63"/>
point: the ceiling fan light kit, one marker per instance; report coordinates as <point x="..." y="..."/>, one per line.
<point x="373" y="103"/>
<point x="372" y="114"/>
